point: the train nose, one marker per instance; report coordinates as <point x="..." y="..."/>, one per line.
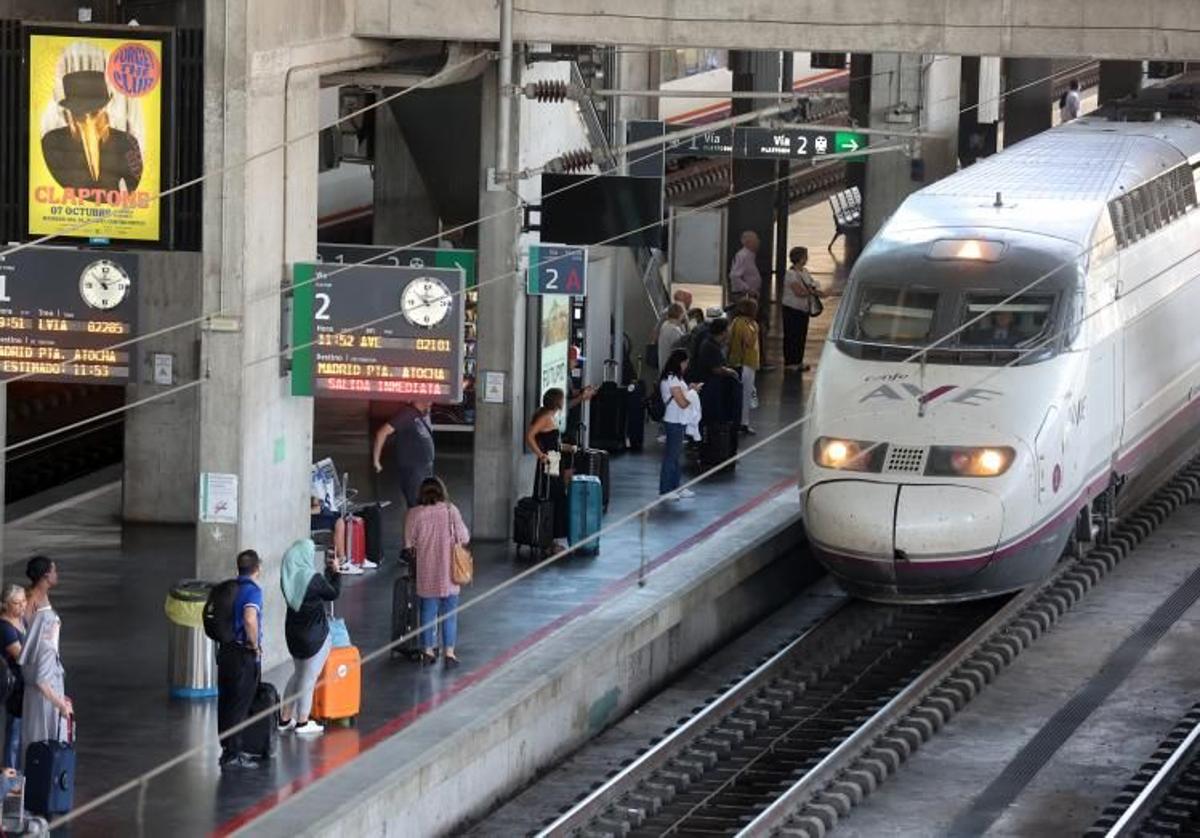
<point x="902" y="539"/>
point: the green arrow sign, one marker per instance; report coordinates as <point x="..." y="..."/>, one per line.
<point x="845" y="141"/>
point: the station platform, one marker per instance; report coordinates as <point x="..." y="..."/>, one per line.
<point x="114" y="577"/>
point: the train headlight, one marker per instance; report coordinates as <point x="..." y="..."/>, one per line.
<point x="954" y="461"/>
<point x="848" y="454"/>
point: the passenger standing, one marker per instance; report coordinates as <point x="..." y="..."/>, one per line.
<point x="239" y="664"/>
<point x="682" y="402"/>
<point x="431" y="531"/>
<point x="12" y="625"/>
<point x="721" y="397"/>
<point x="45" y="707"/>
<point x="744" y="354"/>
<point x="671" y="332"/>
<point x="43" y="577"/>
<point x="543" y="439"/>
<point x="744" y="277"/>
<point x="1071" y="102"/>
<point x="800" y="291"/>
<point x="413" y="447"/>
<point x="306" y="628"/>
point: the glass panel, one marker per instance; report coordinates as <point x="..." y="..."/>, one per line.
<point x="894" y="315"/>
<point x="1018" y="323"/>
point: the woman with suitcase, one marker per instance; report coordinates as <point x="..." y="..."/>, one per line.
<point x="306" y="629"/>
<point x="543" y="438"/>
<point x="431" y="530"/>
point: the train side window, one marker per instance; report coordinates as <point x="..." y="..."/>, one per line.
<point x="1187" y="186"/>
<point x="1140" y="218"/>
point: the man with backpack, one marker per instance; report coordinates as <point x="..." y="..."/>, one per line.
<point x="233" y="617"/>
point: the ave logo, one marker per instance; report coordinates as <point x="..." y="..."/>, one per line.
<point x="902" y="390"/>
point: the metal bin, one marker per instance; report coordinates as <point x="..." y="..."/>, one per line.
<point x="191" y="655"/>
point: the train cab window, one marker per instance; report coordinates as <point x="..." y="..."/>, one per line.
<point x="997" y="322"/>
<point x="894" y="315"/>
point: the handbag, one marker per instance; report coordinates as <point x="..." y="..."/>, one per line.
<point x="462" y="563"/>
<point x="815" y="307"/>
<point x="339" y="635"/>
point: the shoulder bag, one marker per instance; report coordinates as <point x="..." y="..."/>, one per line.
<point x="462" y="563"/>
<point x="815" y="306"/>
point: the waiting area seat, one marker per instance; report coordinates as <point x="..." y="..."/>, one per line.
<point x="847" y="213"/>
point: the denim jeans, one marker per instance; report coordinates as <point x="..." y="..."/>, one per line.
<point x="431" y="607"/>
<point x="12" y="741"/>
<point x="670" y="475"/>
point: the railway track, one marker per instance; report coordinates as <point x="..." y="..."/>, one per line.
<point x="797" y="743"/>
<point x="1163" y="797"/>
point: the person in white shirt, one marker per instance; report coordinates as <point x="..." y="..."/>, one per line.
<point x="801" y="296"/>
<point x="672" y="330"/>
<point x="682" y="402"/>
<point x="1071" y="102"/>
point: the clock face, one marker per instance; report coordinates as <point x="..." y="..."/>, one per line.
<point x="426" y="302"/>
<point x="103" y="284"/>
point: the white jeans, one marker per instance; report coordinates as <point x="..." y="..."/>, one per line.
<point x="747" y="389"/>
<point x="304" y="679"/>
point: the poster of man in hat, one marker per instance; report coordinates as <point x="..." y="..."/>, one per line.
<point x="95" y="136"/>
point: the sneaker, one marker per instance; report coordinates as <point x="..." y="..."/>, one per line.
<point x="369" y="565"/>
<point x="310" y="728"/>
<point x="240" y="761"/>
<point x="350" y="569"/>
<point x="684" y="494"/>
<point x="749" y="431"/>
<point x="284" y="727"/>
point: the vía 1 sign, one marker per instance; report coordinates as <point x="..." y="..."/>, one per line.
<point x="557" y="269"/>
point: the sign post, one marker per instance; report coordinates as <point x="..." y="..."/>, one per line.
<point x="557" y="269"/>
<point x="755" y="143"/>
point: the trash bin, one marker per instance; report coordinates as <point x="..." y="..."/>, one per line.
<point x="191" y="656"/>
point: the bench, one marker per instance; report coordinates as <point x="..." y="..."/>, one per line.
<point x="847" y="212"/>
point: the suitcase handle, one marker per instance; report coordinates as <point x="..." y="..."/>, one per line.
<point x="541" y="483"/>
<point x="614" y="366"/>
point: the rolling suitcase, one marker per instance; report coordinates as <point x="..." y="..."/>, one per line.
<point x="608" y="413"/>
<point x="50" y="775"/>
<point x="584" y="504"/>
<point x="259" y="739"/>
<point x="356" y="539"/>
<point x="718" y="444"/>
<point x="635" y="415"/>
<point x="373" y="532"/>
<point x="338" y="694"/>
<point x="406" y="613"/>
<point x="533" y="518"/>
<point x="594" y="461"/>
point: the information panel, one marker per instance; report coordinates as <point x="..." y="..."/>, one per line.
<point x="794" y="143"/>
<point x="60" y="312"/>
<point x="412" y="257"/>
<point x="411" y="349"/>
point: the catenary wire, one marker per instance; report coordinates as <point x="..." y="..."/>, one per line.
<point x="145" y="777"/>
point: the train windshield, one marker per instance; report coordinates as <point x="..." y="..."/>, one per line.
<point x="895" y="316"/>
<point x="994" y="321"/>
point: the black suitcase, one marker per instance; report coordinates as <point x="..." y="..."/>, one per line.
<point x="406" y="612"/>
<point x="635" y="415"/>
<point x="49" y="778"/>
<point x="259" y="739"/>
<point x="718" y="444"/>
<point x="533" y="518"/>
<point x="373" y="523"/>
<point x="608" y="423"/>
<point x="594" y="461"/>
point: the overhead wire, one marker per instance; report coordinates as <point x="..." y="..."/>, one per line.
<point x="645" y="509"/>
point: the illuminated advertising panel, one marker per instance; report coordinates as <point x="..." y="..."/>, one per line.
<point x="63" y="313"/>
<point x="556" y="341"/>
<point x="378" y="332"/>
<point x="96" y="145"/>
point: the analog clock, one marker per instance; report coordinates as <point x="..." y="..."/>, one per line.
<point x="103" y="284"/>
<point x="426" y="302"/>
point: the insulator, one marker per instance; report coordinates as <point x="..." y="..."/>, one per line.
<point x="547" y="91"/>
<point x="574" y="161"/>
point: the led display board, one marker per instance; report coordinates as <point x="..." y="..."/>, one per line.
<point x="63" y="312"/>
<point x="97" y="152"/>
<point x="378" y="332"/>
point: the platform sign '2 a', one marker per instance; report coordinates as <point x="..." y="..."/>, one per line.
<point x="557" y="269"/>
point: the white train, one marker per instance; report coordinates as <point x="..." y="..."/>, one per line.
<point x="1071" y="259"/>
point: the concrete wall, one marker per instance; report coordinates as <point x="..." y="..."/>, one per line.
<point x="160" y="437"/>
<point x="1165" y="29"/>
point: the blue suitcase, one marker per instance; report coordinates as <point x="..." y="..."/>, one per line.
<point x="49" y="778"/>
<point x="585" y="506"/>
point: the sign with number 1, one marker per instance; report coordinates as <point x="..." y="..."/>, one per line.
<point x="557" y="269"/>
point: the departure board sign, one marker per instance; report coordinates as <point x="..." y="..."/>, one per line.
<point x="794" y="143"/>
<point x="61" y="311"/>
<point x="413" y="257"/>
<point x="378" y="332"/>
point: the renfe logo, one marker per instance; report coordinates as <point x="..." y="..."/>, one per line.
<point x="970" y="396"/>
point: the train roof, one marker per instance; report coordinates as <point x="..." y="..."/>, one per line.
<point x="1055" y="183"/>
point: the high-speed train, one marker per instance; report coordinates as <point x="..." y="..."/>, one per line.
<point x="1058" y="284"/>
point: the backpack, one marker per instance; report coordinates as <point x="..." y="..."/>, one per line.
<point x="218" y="611"/>
<point x="656" y="408"/>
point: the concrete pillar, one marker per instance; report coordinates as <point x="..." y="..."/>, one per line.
<point x="753" y="210"/>
<point x="909" y="91"/>
<point x="501" y="319"/>
<point x="404" y="211"/>
<point x="1028" y="107"/>
<point x="1119" y="79"/>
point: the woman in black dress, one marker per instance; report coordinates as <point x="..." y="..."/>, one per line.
<point x="544" y="440"/>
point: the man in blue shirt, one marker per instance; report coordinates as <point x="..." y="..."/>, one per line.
<point x="239" y="663"/>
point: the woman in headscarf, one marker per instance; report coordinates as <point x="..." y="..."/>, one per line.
<point x="46" y="707"/>
<point x="306" y="628"/>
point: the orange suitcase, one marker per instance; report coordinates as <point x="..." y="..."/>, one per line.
<point x="339" y="691"/>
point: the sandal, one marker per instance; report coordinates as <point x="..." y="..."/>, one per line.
<point x="451" y="661"/>
<point x="428" y="659"/>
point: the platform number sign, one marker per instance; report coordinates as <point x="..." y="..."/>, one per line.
<point x="557" y="269"/>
